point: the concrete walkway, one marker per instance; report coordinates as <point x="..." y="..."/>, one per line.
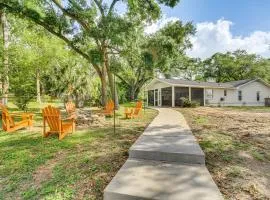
<point x="166" y="163"/>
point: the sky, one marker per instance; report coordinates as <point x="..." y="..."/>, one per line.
<point x="223" y="25"/>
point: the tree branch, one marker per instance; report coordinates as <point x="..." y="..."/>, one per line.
<point x="71" y="15"/>
<point x="100" y="7"/>
<point x="112" y="6"/>
<point x="24" y="13"/>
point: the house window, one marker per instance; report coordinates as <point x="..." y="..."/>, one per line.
<point x="258" y="96"/>
<point x="225" y="93"/>
<point x="240" y="95"/>
<point x="209" y="93"/>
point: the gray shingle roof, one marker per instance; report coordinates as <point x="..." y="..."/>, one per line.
<point x="231" y="84"/>
<point x="240" y="82"/>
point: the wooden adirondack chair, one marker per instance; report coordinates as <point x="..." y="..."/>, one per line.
<point x="8" y="120"/>
<point x="108" y="111"/>
<point x="71" y="109"/>
<point x="134" y="112"/>
<point x="52" y="117"/>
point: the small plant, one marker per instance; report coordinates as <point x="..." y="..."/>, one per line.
<point x="201" y="120"/>
<point x="186" y="103"/>
<point x="257" y="155"/>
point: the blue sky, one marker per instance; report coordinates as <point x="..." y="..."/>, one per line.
<point x="222" y="25"/>
<point x="246" y="15"/>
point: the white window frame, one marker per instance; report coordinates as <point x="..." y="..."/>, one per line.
<point x="209" y="93"/>
<point x="258" y="94"/>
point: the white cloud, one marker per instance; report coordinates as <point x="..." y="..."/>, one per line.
<point x="213" y="37"/>
<point x="154" y="27"/>
<point x="217" y="37"/>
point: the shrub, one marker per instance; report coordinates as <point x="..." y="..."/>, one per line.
<point x="186" y="103"/>
<point x="24" y="93"/>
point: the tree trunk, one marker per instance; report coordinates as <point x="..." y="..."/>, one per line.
<point x="132" y="93"/>
<point x="111" y="80"/>
<point x="5" y="80"/>
<point x="38" y="86"/>
<point x="113" y="89"/>
<point x="103" y="86"/>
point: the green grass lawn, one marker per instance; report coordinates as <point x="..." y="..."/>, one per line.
<point x="78" y="167"/>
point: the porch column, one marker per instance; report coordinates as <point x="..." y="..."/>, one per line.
<point x="189" y="93"/>
<point x="147" y="98"/>
<point x="173" y="98"/>
<point x="203" y="96"/>
<point x="159" y="97"/>
<point x="154" y="97"/>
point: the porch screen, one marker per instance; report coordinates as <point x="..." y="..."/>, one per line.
<point x="197" y="95"/>
<point x="151" y="97"/>
<point x="166" y="95"/>
<point x="179" y="93"/>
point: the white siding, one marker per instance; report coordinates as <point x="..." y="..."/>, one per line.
<point x="218" y="94"/>
<point x="249" y="95"/>
<point x="157" y="85"/>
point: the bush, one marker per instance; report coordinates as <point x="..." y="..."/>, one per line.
<point x="186" y="103"/>
<point x="24" y="93"/>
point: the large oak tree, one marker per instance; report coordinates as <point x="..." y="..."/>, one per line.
<point x="92" y="28"/>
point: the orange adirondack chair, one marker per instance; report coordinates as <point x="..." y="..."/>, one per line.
<point x="8" y="121"/>
<point x="108" y="111"/>
<point x="52" y="117"/>
<point x="134" y="112"/>
<point x="71" y="109"/>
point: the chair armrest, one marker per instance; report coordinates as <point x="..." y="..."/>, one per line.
<point x="21" y="114"/>
<point x="68" y="119"/>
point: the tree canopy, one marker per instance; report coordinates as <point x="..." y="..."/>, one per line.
<point x="92" y="28"/>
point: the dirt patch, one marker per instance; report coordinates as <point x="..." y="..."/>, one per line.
<point x="45" y="172"/>
<point x="237" y="148"/>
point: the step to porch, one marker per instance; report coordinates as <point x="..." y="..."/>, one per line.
<point x="144" y="180"/>
<point x="181" y="148"/>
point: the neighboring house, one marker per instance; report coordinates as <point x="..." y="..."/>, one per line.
<point x="168" y="92"/>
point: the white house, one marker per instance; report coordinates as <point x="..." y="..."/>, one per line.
<point x="168" y="92"/>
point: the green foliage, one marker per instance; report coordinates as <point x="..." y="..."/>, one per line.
<point x="236" y="65"/>
<point x="24" y="92"/>
<point x="257" y="155"/>
<point x="186" y="103"/>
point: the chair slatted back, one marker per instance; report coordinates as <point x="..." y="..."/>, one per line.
<point x="70" y="107"/>
<point x="109" y="105"/>
<point x="52" y="116"/>
<point x="7" y="120"/>
<point x="138" y="107"/>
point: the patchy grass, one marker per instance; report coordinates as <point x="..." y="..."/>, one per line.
<point x="78" y="167"/>
<point x="236" y="144"/>
<point x="201" y="120"/>
<point x="248" y="108"/>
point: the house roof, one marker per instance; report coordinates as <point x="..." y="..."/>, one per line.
<point x="227" y="85"/>
<point x="240" y="82"/>
<point x="196" y="83"/>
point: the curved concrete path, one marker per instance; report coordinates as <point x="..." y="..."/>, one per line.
<point x="166" y="163"/>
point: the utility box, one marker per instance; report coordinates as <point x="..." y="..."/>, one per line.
<point x="267" y="102"/>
